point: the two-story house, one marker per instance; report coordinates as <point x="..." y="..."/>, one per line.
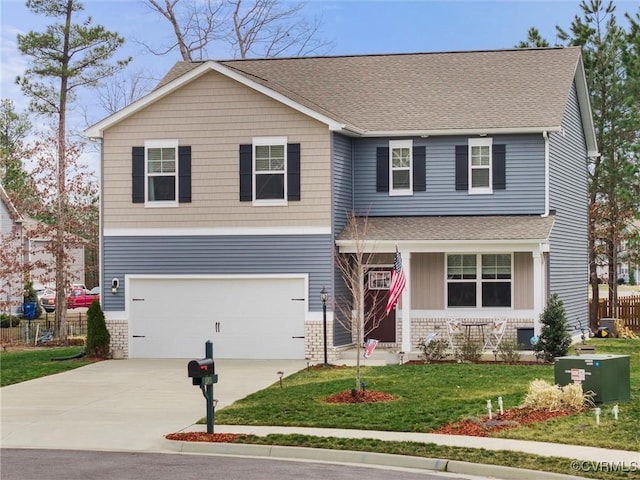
<point x="11" y="256"/>
<point x="226" y="191"/>
<point x="25" y="252"/>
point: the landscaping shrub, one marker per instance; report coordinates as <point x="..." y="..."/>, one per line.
<point x="470" y="352"/>
<point x="508" y="352"/>
<point x="554" y="340"/>
<point x="433" y="351"/>
<point x="98" y="336"/>
<point x="8" y="321"/>
<point x="544" y="396"/>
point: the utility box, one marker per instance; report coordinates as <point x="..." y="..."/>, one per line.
<point x="608" y="376"/>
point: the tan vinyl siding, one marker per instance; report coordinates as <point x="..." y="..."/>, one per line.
<point x="427" y="281"/>
<point x="522" y="280"/>
<point x="214" y="115"/>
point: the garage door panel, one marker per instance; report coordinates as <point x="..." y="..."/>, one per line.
<point x="245" y="318"/>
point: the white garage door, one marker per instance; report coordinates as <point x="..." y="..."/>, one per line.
<point x="253" y="318"/>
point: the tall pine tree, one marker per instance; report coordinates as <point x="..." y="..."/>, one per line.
<point x="66" y="57"/>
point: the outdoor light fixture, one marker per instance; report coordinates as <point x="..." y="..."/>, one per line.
<point x="324" y="296"/>
<point x="280" y="374"/>
<point x="115" y="283"/>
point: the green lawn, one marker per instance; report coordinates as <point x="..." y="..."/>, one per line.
<point x="429" y="396"/>
<point x="20" y="366"/>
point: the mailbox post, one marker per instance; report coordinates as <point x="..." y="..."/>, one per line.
<point x="203" y="374"/>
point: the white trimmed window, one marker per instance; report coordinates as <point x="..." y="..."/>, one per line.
<point x="161" y="172"/>
<point x="270" y="170"/>
<point x="479" y="280"/>
<point x="480" y="175"/>
<point x="400" y="167"/>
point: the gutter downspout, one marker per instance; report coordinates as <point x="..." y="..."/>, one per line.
<point x="547" y="202"/>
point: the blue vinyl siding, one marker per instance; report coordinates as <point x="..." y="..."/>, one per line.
<point x="218" y="255"/>
<point x="342" y="193"/>
<point x="524" y="193"/>
<point x="568" y="256"/>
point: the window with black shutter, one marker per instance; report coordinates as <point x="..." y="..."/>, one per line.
<point x="161" y="173"/>
<point x="270" y="171"/>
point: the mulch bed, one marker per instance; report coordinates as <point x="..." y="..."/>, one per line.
<point x="203" y="437"/>
<point x="483" y="427"/>
<point x="361" y="396"/>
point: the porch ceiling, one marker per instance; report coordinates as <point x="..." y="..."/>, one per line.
<point x="526" y="228"/>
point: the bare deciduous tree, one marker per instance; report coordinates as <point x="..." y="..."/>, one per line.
<point x="265" y="28"/>
<point x="122" y="89"/>
<point x="253" y="28"/>
<point x="349" y="308"/>
<point x="195" y="25"/>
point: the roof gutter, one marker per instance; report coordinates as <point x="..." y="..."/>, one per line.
<point x="461" y="131"/>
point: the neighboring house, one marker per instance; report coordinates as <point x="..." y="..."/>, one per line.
<point x="225" y="193"/>
<point x="11" y="256"/>
<point x="23" y="247"/>
<point x="41" y="260"/>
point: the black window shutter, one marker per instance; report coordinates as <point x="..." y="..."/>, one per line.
<point x="499" y="167"/>
<point x="246" y="173"/>
<point x="462" y="167"/>
<point x="382" y="169"/>
<point x="419" y="169"/>
<point x="137" y="174"/>
<point x="184" y="174"/>
<point x="293" y="171"/>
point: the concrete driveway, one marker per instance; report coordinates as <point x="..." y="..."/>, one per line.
<point x="123" y="405"/>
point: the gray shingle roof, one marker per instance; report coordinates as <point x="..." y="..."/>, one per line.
<point x="515" y="89"/>
<point x="454" y="228"/>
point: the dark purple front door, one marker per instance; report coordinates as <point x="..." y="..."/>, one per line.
<point x="378" y="326"/>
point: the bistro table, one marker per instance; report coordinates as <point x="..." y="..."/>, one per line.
<point x="479" y="326"/>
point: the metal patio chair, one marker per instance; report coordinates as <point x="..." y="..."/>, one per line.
<point x="494" y="334"/>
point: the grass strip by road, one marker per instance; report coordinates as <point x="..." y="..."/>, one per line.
<point x="21" y="366"/>
<point x="598" y="468"/>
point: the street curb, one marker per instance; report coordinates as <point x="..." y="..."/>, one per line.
<point x="364" y="458"/>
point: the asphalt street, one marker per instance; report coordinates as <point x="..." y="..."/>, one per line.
<point x="82" y="465"/>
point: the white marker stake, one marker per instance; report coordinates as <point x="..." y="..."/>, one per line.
<point x="598" y="416"/>
<point x="614" y="410"/>
<point x="489" y="408"/>
<point x="500" y="405"/>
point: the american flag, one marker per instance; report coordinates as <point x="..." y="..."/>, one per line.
<point x="398" y="282"/>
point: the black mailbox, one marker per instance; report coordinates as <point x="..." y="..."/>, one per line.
<point x="200" y="368"/>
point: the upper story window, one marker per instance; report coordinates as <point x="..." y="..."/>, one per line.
<point x="400" y="171"/>
<point x="473" y="287"/>
<point x="161" y="171"/>
<point x="480" y="165"/>
<point x="401" y="168"/>
<point x="270" y="163"/>
<point x="270" y="171"/>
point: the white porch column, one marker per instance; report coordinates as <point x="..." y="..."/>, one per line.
<point x="406" y="303"/>
<point x="538" y="290"/>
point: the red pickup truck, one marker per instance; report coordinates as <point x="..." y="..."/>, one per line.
<point x="79" y="297"/>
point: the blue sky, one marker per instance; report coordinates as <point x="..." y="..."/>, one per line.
<point x="354" y="26"/>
